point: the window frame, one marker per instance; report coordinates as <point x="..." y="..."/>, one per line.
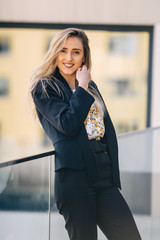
<point x="102" y="27"/>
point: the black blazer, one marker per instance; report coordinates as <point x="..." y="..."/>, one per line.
<point x="62" y="118"/>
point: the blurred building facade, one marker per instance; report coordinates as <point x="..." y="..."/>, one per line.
<point x="121" y="55"/>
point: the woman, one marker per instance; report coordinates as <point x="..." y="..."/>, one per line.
<point x="73" y="114"/>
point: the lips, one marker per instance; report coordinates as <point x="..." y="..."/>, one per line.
<point x="68" y="65"/>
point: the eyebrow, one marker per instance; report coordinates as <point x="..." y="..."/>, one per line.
<point x="74" y="49"/>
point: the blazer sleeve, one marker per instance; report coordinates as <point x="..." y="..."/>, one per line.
<point x="67" y="117"/>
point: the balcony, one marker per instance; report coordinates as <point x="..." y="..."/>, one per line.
<point x="27" y="207"/>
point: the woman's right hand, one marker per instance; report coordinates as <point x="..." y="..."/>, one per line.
<point x="83" y="77"/>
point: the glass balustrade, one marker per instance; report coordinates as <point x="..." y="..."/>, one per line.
<point x="28" y="210"/>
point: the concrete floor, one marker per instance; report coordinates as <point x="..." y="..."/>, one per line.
<point x="35" y="226"/>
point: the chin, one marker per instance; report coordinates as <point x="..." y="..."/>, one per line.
<point x="69" y="71"/>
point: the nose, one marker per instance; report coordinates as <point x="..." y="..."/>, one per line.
<point x="69" y="56"/>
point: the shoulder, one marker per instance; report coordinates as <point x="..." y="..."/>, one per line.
<point x="93" y="84"/>
<point x="45" y="88"/>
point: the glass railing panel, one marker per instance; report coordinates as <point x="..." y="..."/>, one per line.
<point x="139" y="155"/>
<point x="27" y="205"/>
<point x="24" y="200"/>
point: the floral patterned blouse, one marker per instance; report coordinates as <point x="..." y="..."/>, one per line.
<point x="94" y="123"/>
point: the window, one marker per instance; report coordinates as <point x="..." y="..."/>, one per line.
<point x="126" y="127"/>
<point x="4" y="45"/>
<point x="122" y="87"/>
<point x="123" y="45"/>
<point x="48" y="41"/>
<point x="4" y="87"/>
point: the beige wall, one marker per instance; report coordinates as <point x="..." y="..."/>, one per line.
<point x="84" y="11"/>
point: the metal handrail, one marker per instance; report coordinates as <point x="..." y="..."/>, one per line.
<point x="26" y="159"/>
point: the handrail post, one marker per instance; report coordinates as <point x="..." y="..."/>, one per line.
<point x="49" y="200"/>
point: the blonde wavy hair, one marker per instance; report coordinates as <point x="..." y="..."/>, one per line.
<point x="45" y="72"/>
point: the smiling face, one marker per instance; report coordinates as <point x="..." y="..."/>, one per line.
<point x="70" y="58"/>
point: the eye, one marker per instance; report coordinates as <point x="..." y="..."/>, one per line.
<point x="63" y="51"/>
<point x="76" y="52"/>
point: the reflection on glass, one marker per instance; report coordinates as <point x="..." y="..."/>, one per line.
<point x="24" y="201"/>
<point x="4" y="176"/>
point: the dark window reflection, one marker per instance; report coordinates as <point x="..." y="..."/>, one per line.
<point x="123" y="87"/>
<point x="126" y="127"/>
<point x="4" y="45"/>
<point x="123" y="45"/>
<point x="4" y="87"/>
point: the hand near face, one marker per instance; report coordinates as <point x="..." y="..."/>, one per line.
<point x="83" y="76"/>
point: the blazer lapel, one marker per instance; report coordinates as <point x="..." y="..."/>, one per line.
<point x="67" y="91"/>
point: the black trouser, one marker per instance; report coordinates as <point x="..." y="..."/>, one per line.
<point x="85" y="206"/>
